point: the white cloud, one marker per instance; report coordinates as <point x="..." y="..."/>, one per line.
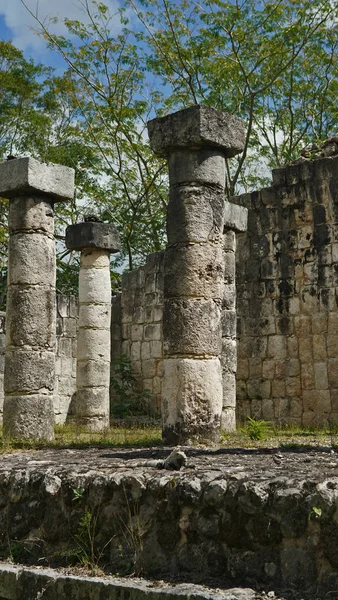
<point x="23" y="26"/>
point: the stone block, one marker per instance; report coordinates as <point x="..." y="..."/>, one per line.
<point x="96" y="316"/>
<point x="305" y="349"/>
<point x="277" y="347"/>
<point x="278" y="388"/>
<point x="156" y="349"/>
<point x="31" y="259"/>
<point x="95" y="286"/>
<point x="92" y="373"/>
<point x="136" y="333"/>
<point x="93" y="235"/>
<point x="197" y="127"/>
<point x="192" y="326"/>
<point x="31" y="316"/>
<point x="93" y="402"/>
<point x="293" y="367"/>
<point x="192" y="399"/>
<point x="195" y="214"/>
<point x="308" y="376"/>
<point x="293" y="386"/>
<point x="229" y="296"/>
<point x="268" y="409"/>
<point x="229" y="354"/>
<point x="153" y="332"/>
<point x="229" y="323"/>
<point x="228" y="422"/>
<point x="28" y="214"/>
<point x="318" y="401"/>
<point x="321" y="377"/>
<point x="149" y="368"/>
<point x="229" y="241"/>
<point x="29" y="417"/>
<point x="235" y="217"/>
<point x="259" y="389"/>
<point x="255" y="367"/>
<point x="332" y="369"/>
<point x="135" y="350"/>
<point x="29" y="371"/>
<point x="93" y="258"/>
<point x="194" y="270"/>
<point x="204" y="165"/>
<point x="229" y="389"/>
<point x="25" y="176"/>
<point x="332" y="345"/>
<point x="146" y="350"/>
<point x="93" y="344"/>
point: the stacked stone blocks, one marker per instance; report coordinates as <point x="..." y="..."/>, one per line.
<point x="196" y="142"/>
<point x="139" y="310"/>
<point x="32" y="188"/>
<point x="65" y="362"/>
<point x="287" y="298"/>
<point x="95" y="241"/>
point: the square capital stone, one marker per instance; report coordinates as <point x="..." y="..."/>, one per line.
<point x="91" y="234"/>
<point x="197" y="127"/>
<point x="24" y="176"/>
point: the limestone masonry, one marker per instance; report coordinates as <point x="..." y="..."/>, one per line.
<point x="237" y="317"/>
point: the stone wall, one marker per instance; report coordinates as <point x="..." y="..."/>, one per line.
<point x="137" y="324"/>
<point x="287" y="296"/>
<point x="65" y="364"/>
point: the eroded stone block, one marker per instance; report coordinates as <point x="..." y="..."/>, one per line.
<point x="197" y="127"/>
<point x="93" y="235"/>
<point x="24" y="176"/>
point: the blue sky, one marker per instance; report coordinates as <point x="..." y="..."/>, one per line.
<point x="17" y="25"/>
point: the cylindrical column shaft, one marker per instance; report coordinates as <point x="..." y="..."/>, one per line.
<point x="30" y="313"/>
<point x="194" y="265"/>
<point x="96" y="241"/>
<point x="93" y="358"/>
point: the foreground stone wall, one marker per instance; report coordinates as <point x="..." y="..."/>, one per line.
<point x="65" y="362"/>
<point x="287" y="296"/>
<point x="248" y="518"/>
<point x="137" y="324"/>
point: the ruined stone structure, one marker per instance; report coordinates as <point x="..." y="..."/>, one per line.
<point x="286" y="281"/>
<point x="196" y="142"/>
<point x="95" y="241"/>
<point x="32" y="188"/>
<point x="287" y="297"/>
<point x="136" y="328"/>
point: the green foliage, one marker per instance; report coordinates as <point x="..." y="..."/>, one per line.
<point x="129" y="398"/>
<point x="257" y="429"/>
<point x="315" y="513"/>
<point x="78" y="493"/>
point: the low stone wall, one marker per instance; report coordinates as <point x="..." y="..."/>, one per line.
<point x="248" y="518"/>
<point x="137" y="324"/>
<point x="287" y="297"/>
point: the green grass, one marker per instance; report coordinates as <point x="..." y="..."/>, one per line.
<point x="257" y="434"/>
<point x="73" y="436"/>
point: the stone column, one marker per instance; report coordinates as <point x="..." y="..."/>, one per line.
<point x="196" y="142"/>
<point x="95" y="241"/>
<point x="235" y="221"/>
<point x="32" y="188"/>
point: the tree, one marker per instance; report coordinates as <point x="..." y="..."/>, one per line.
<point x="107" y="84"/>
<point x="272" y="63"/>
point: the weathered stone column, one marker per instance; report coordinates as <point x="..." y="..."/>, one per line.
<point x="95" y="241"/>
<point x="196" y="142"/>
<point x="235" y="221"/>
<point x="32" y="188"/>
